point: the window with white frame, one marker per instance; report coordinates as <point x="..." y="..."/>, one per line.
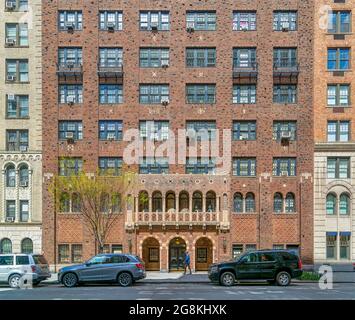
<point x="111" y="20"/>
<point x="154" y="20"/>
<point x="244" y="20"/>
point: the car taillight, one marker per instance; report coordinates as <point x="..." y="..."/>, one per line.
<point x="299" y="263"/>
<point x="140" y="266"/>
<point x="33" y="268"/>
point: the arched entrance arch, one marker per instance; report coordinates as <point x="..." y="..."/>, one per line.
<point x="203" y="254"/>
<point x="151" y="254"/>
<point x="177" y="248"/>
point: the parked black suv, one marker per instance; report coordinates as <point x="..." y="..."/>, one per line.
<point x="275" y="266"/>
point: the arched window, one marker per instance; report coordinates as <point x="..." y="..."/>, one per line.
<point x="104" y="202"/>
<point x="64" y="202"/>
<point x="211" y="201"/>
<point x="75" y="202"/>
<point x="184" y="201"/>
<point x="344" y="204"/>
<point x="10" y="174"/>
<point x="290" y="203"/>
<point x="143" y="201"/>
<point x="197" y="201"/>
<point x="238" y="202"/>
<point x="116" y="202"/>
<point x="23" y="175"/>
<point x="170" y="201"/>
<point x="27" y="246"/>
<point x="5" y="246"/>
<point x="157" y="205"/>
<point x="331" y="203"/>
<point x="250" y="202"/>
<point x="278" y="202"/>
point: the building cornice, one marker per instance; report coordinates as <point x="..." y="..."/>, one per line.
<point x="334" y="147"/>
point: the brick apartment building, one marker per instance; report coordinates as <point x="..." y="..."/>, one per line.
<point x="244" y="66"/>
<point x="334" y="122"/>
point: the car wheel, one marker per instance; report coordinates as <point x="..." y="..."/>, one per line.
<point x="124" y="279"/>
<point x="70" y="280"/>
<point x="14" y="281"/>
<point x="283" y="278"/>
<point x="227" y="279"/>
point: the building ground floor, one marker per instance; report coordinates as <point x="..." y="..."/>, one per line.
<point x="20" y="238"/>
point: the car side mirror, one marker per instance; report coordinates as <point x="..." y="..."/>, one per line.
<point x="87" y="263"/>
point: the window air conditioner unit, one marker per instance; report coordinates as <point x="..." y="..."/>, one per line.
<point x="244" y="28"/>
<point x="165" y="101"/>
<point x="69" y="26"/>
<point x="71" y="100"/>
<point x="190" y="27"/>
<point x="69" y="64"/>
<point x="11" y="97"/>
<point x="10" y="5"/>
<point x="284" y="173"/>
<point x="23" y="148"/>
<point x="242" y="138"/>
<point x="111" y="26"/>
<point x="286" y="135"/>
<point x="23" y="183"/>
<point x="10" y="219"/>
<point x="165" y="64"/>
<point x="285" y="26"/>
<point x="11" y="78"/>
<point x="154" y="26"/>
<point x="69" y="135"/>
<point x="110" y="136"/>
<point x="10" y="42"/>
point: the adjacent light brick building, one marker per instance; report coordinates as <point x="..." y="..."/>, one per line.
<point x="334" y="121"/>
<point x="21" y="126"/>
<point x="235" y="65"/>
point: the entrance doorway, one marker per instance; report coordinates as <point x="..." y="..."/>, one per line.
<point x="151" y="254"/>
<point x="177" y="248"/>
<point x="204" y="254"/>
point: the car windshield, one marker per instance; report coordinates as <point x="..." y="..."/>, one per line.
<point x="39" y="259"/>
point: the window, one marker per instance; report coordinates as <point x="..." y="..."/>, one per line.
<point x="244" y="57"/>
<point x="244" y="167"/>
<point x="111" y="94"/>
<point x="211" y="201"/>
<point x="110" y="166"/>
<point x="285" y="57"/>
<point x="110" y="130"/>
<point x="17" y="106"/>
<point x="70" y="93"/>
<point x="10" y="209"/>
<point x="76" y="202"/>
<point x="111" y="57"/>
<point x="238" y="202"/>
<point x="201" y="130"/>
<point x="63" y="253"/>
<point x="278" y="203"/>
<point x="338" y="95"/>
<point x="290" y="204"/>
<point x="116" y="248"/>
<point x="111" y="20"/>
<point x="23" y="175"/>
<point x="338" y="131"/>
<point x="201" y="20"/>
<point x="23" y="260"/>
<point x="153" y="93"/>
<point x="70" y="166"/>
<point x="17" y="33"/>
<point x="200" y="57"/>
<point x="344" y="204"/>
<point x="250" y="247"/>
<point x="237" y="250"/>
<point x="201" y="93"/>
<point x="19" y="5"/>
<point x="244" y="130"/>
<point x="157" y="202"/>
<point x="152" y="165"/>
<point x="154" y="130"/>
<point x="344" y="238"/>
<point x="244" y="94"/>
<point x="72" y="127"/>
<point x="154" y="20"/>
<point x="26" y="246"/>
<point x="331" y="245"/>
<point x="338" y="168"/>
<point x="70" y="56"/>
<point x="284" y="127"/>
<point x="70" y="19"/>
<point x="17" y="70"/>
<point x="285" y="93"/>
<point x="284" y="166"/>
<point x="64" y="202"/>
<point x="76" y="253"/>
<point x="197" y="201"/>
<point x="17" y="140"/>
<point x="200" y="165"/>
<point x="339" y="21"/>
<point x="143" y="205"/>
<point x="6" y="248"/>
<point x="250" y="202"/>
<point x="331" y="204"/>
<point x="285" y="20"/>
<point x="10" y="176"/>
<point x="338" y="58"/>
<point x="153" y="57"/>
<point x="201" y="255"/>
<point x="24" y="210"/>
<point x="244" y="20"/>
<point x="279" y="247"/>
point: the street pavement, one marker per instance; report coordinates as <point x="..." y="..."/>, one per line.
<point x="182" y="291"/>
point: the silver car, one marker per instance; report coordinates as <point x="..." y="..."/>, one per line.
<point x="123" y="269"/>
<point x="16" y="267"/>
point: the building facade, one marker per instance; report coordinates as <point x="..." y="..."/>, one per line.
<point x="21" y="126"/>
<point x="334" y="206"/>
<point x="164" y="66"/>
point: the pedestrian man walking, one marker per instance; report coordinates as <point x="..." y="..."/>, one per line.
<point x="187" y="262"/>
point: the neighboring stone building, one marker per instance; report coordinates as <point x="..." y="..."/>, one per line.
<point x="21" y="126"/>
<point x="245" y="66"/>
<point x="334" y="123"/>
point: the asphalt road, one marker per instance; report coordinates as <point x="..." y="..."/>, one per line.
<point x="182" y="291"/>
